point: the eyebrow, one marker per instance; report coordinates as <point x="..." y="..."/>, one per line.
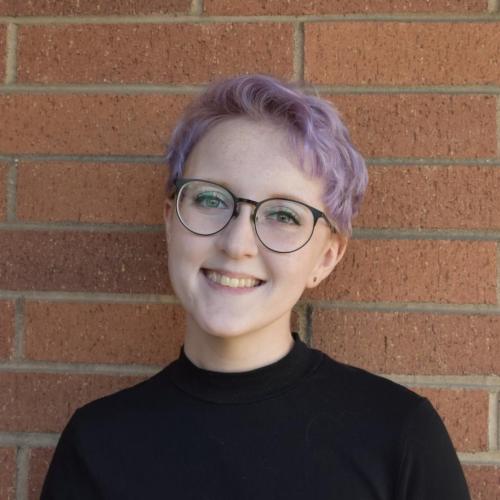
<point x="272" y="196"/>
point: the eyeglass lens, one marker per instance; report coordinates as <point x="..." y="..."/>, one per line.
<point x="281" y="225"/>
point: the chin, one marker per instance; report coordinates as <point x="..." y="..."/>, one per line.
<point x="226" y="329"/>
<point x="225" y="332"/>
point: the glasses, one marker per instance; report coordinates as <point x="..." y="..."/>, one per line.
<point x="282" y="225"/>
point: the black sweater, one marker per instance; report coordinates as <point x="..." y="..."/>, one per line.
<point x="304" y="427"/>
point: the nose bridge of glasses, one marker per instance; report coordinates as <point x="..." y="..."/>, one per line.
<point x="240" y="232"/>
<point x="238" y="201"/>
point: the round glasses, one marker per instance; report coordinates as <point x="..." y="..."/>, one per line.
<point x="282" y="225"/>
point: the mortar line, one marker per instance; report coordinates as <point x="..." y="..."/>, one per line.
<point x="470" y="382"/>
<point x="498" y="274"/>
<point x="19" y="329"/>
<point x="131" y="298"/>
<point x="303" y="324"/>
<point x="481" y="458"/>
<point x="358" y="233"/>
<point x="309" y="339"/>
<point x="82" y="227"/>
<point x="432" y="162"/>
<point x="498" y="125"/>
<point x="16" y="453"/>
<point x="461" y="382"/>
<point x="493" y="6"/>
<point x="406" y="307"/>
<point x="11" y="191"/>
<point x="493" y="423"/>
<point x="196" y="7"/>
<point x="89" y="298"/>
<point x="397" y="161"/>
<point x="159" y="159"/>
<point x="176" y="89"/>
<point x="28" y="439"/>
<point x="298" y="53"/>
<point x="299" y="311"/>
<point x="498" y="421"/>
<point x="201" y="19"/>
<point x="36" y="367"/>
<point x="146" y="160"/>
<point x="425" y="234"/>
<point x="22" y="466"/>
<point x="11" y="54"/>
<point x="113" y="88"/>
<point x="408" y="89"/>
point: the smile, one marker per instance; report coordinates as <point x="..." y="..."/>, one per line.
<point x="231" y="282"/>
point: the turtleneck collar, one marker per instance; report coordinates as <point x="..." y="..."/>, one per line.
<point x="248" y="386"/>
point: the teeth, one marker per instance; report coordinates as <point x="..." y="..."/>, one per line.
<point x="221" y="279"/>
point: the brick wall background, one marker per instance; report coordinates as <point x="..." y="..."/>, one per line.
<point x="89" y="91"/>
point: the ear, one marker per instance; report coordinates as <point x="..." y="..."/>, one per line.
<point x="330" y="256"/>
<point x="168" y="212"/>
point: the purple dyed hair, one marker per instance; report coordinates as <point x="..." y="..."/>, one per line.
<point x="315" y="130"/>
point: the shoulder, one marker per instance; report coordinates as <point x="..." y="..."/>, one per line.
<point x="356" y="385"/>
<point x="123" y="406"/>
<point x="391" y="417"/>
<point x="369" y="401"/>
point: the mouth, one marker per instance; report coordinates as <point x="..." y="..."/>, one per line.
<point x="231" y="281"/>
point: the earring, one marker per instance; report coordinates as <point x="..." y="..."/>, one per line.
<point x="315" y="279"/>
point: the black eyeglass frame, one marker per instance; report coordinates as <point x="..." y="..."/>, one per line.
<point x="317" y="214"/>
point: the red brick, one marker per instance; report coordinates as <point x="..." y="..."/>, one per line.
<point x="3" y="49"/>
<point x="465" y="414"/>
<point x="7" y="473"/>
<point x="3" y="191"/>
<point x="104" y="333"/>
<point x="421" y="125"/>
<point x="461" y="272"/>
<point x="88" y="124"/>
<point x="191" y="53"/>
<point x="398" y="53"/>
<point x="91" y="192"/>
<point x="91" y="7"/>
<point x="83" y="261"/>
<point x="301" y="7"/>
<point x="43" y="402"/>
<point x="410" y="343"/>
<point x="383" y="125"/>
<point x="484" y="481"/>
<point x="440" y="197"/>
<point x="7" y="312"/>
<point x="39" y="460"/>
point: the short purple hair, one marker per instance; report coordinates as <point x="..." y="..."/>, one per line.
<point x="314" y="127"/>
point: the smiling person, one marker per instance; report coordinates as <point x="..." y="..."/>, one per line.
<point x="264" y="183"/>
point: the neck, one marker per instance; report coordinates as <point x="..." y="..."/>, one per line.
<point x="238" y="352"/>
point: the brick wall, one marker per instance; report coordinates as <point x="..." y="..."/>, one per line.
<point x="89" y="92"/>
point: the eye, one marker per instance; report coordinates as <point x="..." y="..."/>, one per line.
<point x="210" y="199"/>
<point x="283" y="216"/>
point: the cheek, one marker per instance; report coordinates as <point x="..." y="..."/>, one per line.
<point x="178" y="259"/>
<point x="186" y="251"/>
<point x="290" y="271"/>
<point x="174" y="269"/>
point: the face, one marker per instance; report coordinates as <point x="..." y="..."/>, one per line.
<point x="229" y="283"/>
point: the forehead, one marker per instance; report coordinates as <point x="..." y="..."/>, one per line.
<point x="254" y="159"/>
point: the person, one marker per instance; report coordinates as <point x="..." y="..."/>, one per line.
<point x="264" y="183"/>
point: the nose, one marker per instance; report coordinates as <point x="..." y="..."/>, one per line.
<point x="238" y="238"/>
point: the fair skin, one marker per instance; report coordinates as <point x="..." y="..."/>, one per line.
<point x="233" y="329"/>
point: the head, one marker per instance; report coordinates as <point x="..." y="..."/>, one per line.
<point x="314" y="129"/>
<point x="259" y="139"/>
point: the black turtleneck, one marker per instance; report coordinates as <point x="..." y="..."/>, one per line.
<point x="304" y="427"/>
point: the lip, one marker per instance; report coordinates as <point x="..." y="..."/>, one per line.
<point x="231" y="274"/>
<point x="228" y="289"/>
